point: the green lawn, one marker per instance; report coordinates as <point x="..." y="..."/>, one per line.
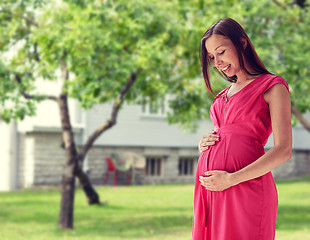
<point x="136" y="212"/>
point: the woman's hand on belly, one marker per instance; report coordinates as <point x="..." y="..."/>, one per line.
<point x="216" y="180"/>
<point x="208" y="140"/>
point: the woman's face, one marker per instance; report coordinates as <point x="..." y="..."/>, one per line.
<point x="223" y="55"/>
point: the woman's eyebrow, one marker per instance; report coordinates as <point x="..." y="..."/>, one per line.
<point x="218" y="47"/>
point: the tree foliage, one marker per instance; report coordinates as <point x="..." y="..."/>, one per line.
<point x="103" y="42"/>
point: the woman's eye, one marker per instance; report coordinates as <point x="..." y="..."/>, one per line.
<point x="221" y="52"/>
<point x="211" y="58"/>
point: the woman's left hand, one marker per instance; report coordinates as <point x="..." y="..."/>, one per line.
<point x="216" y="180"/>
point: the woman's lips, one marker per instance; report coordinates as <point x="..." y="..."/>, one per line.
<point x="226" y="69"/>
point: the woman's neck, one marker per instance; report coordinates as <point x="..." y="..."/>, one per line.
<point x="244" y="77"/>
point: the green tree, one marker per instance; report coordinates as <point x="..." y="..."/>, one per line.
<point x="105" y="50"/>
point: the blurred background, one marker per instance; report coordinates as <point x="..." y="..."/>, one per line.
<point x="100" y="93"/>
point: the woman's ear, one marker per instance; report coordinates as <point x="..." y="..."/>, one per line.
<point x="244" y="42"/>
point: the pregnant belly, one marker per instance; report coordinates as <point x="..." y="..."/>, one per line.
<point x="233" y="152"/>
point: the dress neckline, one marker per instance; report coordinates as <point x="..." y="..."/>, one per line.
<point x="227" y="98"/>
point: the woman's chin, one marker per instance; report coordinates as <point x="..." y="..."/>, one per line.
<point x="229" y="75"/>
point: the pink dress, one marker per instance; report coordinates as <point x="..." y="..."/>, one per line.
<point x="247" y="211"/>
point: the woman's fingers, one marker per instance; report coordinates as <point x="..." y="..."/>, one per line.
<point x="208" y="140"/>
<point x="210" y="137"/>
<point x="206" y="182"/>
<point x="201" y="149"/>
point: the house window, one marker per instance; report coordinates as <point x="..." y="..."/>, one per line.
<point x="153" y="166"/>
<point x="186" y="166"/>
<point x="157" y="108"/>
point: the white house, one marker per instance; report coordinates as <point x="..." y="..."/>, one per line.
<point x="31" y="155"/>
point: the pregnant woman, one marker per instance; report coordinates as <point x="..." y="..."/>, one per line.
<point x="235" y="195"/>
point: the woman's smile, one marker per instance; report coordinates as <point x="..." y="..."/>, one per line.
<point x="226" y="69"/>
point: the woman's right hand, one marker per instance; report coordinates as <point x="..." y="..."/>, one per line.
<point x="208" y="140"/>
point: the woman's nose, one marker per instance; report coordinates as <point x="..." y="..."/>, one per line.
<point x="217" y="61"/>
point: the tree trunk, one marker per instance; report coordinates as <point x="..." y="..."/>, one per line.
<point x="70" y="167"/>
<point x="301" y="118"/>
<point x="91" y="194"/>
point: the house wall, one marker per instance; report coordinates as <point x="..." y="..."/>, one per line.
<point x="46" y="160"/>
<point x="41" y="159"/>
<point x="298" y="165"/>
<point x="135" y="128"/>
<point x="8" y="156"/>
<point x="21" y="168"/>
<point x="169" y="169"/>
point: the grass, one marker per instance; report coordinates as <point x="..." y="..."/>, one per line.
<point x="137" y="212"/>
<point x="294" y="210"/>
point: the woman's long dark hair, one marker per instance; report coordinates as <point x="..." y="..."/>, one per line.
<point x="231" y="29"/>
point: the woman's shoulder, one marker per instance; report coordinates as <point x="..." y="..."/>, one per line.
<point x="270" y="80"/>
<point x="272" y="77"/>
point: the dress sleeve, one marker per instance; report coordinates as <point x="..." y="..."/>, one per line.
<point x="277" y="80"/>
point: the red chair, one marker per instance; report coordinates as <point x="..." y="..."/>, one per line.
<point x="110" y="169"/>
